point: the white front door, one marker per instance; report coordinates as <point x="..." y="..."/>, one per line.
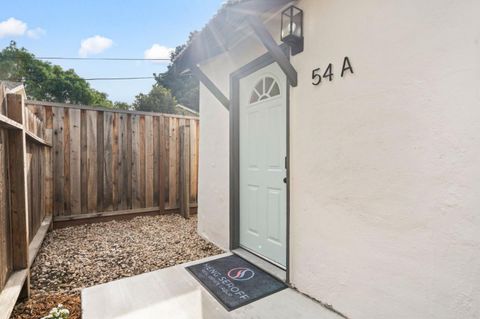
<point x="263" y="140"/>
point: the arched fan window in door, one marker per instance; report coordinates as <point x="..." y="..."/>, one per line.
<point x="266" y="88"/>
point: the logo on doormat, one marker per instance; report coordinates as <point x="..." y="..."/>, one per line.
<point x="241" y="274"/>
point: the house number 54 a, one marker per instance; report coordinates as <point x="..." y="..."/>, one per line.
<point x="328" y="73"/>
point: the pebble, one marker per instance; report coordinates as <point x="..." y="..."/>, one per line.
<point x="82" y="256"/>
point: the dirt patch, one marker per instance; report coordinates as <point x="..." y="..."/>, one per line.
<point x="82" y="256"/>
<point x="40" y="305"/>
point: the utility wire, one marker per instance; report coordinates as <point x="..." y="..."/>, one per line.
<point x="97" y="59"/>
<point x="104" y="79"/>
<point x="107" y="59"/>
<point x="130" y="78"/>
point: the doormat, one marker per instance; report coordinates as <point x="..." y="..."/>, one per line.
<point x="235" y="282"/>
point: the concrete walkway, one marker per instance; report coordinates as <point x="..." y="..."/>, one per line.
<point x="172" y="293"/>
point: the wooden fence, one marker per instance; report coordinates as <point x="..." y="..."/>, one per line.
<point x="24" y="218"/>
<point x="110" y="162"/>
<point x="73" y="163"/>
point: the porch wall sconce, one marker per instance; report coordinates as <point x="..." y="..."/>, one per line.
<point x="292" y="29"/>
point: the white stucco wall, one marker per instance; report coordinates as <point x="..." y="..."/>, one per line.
<point x="385" y="174"/>
<point x="213" y="192"/>
<point x="385" y="163"/>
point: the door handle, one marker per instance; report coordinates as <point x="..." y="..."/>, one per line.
<point x="285" y="180"/>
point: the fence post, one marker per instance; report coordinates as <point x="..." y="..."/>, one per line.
<point x="18" y="187"/>
<point x="185" y="171"/>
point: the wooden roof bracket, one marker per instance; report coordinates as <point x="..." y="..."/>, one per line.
<point x="278" y="55"/>
<point x="202" y="77"/>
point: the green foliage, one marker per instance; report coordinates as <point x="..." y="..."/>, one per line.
<point x="159" y="99"/>
<point x="46" y="82"/>
<point x="184" y="87"/>
<point x="121" y="105"/>
<point x="59" y="312"/>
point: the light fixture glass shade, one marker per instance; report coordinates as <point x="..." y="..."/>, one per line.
<point x="292" y="28"/>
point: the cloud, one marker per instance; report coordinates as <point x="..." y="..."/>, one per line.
<point x="94" y="45"/>
<point x="158" y="51"/>
<point x="36" y="33"/>
<point x="12" y="28"/>
<point x="16" y="28"/>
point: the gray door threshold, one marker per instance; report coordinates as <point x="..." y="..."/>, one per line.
<point x="261" y="263"/>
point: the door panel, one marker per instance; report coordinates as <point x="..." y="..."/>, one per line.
<point x="262" y="163"/>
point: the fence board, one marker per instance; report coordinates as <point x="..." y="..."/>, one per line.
<point x="178" y="144"/>
<point x="92" y="161"/>
<point x="166" y="162"/>
<point x="3" y="101"/>
<point x="143" y="168"/>
<point x="66" y="160"/>
<point x="162" y="161"/>
<point x="192" y="160"/>
<point x="173" y="174"/>
<point x="75" y="161"/>
<point x="148" y="161"/>
<point x="115" y="158"/>
<point x="84" y="163"/>
<point x="5" y="234"/>
<point x="108" y="161"/>
<point x="156" y="160"/>
<point x="41" y="185"/>
<point x="129" y="161"/>
<point x="100" y="166"/>
<point x="48" y="161"/>
<point x="29" y="165"/>
<point x="136" y="186"/>
<point x="184" y="136"/>
<point x="122" y="162"/>
<point x="58" y="162"/>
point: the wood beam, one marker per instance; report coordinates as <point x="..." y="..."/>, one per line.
<point x="99" y="109"/>
<point x="135" y="211"/>
<point x="11" y="291"/>
<point x="35" y="139"/>
<point x="278" y="55"/>
<point x="37" y="241"/>
<point x="210" y="86"/>
<point x="9" y="124"/>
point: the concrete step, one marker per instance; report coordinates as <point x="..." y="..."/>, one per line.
<point x="173" y="293"/>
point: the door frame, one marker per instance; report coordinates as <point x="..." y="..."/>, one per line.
<point x="235" y="77"/>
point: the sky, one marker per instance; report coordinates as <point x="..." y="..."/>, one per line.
<point x="105" y="28"/>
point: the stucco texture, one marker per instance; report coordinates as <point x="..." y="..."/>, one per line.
<point x="385" y="174"/>
<point x="214" y="183"/>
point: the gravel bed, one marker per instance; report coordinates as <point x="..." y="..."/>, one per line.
<point x="82" y="256"/>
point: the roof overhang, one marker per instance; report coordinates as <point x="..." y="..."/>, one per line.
<point x="223" y="30"/>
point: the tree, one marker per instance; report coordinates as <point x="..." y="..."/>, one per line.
<point x="184" y="87"/>
<point x="47" y="82"/>
<point x="159" y="99"/>
<point x="121" y="105"/>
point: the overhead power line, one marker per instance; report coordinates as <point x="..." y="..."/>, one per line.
<point x="97" y="59"/>
<point x="129" y="78"/>
<point x="107" y="59"/>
